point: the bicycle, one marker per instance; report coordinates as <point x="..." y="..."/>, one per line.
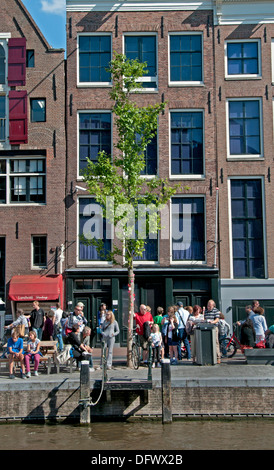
<point x="232" y="343"/>
<point x="136" y="356"/>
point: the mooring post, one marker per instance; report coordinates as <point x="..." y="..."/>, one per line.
<point x="84" y="393"/>
<point x="166" y="391"/>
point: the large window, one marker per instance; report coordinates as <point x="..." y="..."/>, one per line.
<point x="186" y="58"/>
<point x="187" y="143"/>
<point x="22" y="181"/>
<point x="92" y="225"/>
<point x="94" y="59"/>
<point x="247" y="228"/>
<point x="94" y="136"/>
<point x="242" y="59"/>
<point x="39" y="251"/>
<point x="188" y="229"/>
<point x="143" y="48"/>
<point x="150" y="156"/>
<point x="244" y="127"/>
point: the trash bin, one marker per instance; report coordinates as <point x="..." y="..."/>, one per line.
<point x="205" y="344"/>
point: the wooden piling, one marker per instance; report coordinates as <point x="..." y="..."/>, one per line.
<point x="166" y="391"/>
<point x="84" y="393"/>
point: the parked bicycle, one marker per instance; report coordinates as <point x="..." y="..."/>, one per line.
<point x="232" y="343"/>
<point x="136" y="350"/>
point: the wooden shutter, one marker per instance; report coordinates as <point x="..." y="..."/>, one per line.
<point x="18" y="117"/>
<point x="17" y="62"/>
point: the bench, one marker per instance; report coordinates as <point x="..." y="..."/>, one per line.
<point x="258" y="356"/>
<point x="49" y="351"/>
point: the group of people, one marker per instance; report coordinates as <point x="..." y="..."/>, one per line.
<point x="254" y="331"/>
<point x="169" y="331"/>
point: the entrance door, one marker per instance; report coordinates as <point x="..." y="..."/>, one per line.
<point x="92" y="304"/>
<point x="192" y="299"/>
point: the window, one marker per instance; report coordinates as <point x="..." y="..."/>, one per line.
<point x="92" y="225"/>
<point x="242" y="59"/>
<point x="187" y="143"/>
<point x="2" y="65"/>
<point x="22" y="181"/>
<point x="38" y="110"/>
<point x="94" y="59"/>
<point x="244" y="127"/>
<point x="30" y="58"/>
<point x="247" y="228"/>
<point x="188" y="229"/>
<point x="186" y="60"/>
<point x="150" y="156"/>
<point x="94" y="136"/>
<point x="143" y="48"/>
<point x="2" y="118"/>
<point x="39" y="251"/>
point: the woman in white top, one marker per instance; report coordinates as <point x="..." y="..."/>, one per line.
<point x="259" y="323"/>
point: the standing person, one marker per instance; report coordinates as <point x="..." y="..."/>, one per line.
<point x="196" y="317"/>
<point x="86" y="342"/>
<point x="15" y="351"/>
<point x="223" y="331"/>
<point x="21" y="320"/>
<point x="102" y="314"/>
<point x="259" y="323"/>
<point x="80" y="316"/>
<point x="140" y="318"/>
<point x="182" y="315"/>
<point x="171" y="334"/>
<point x="37" y="318"/>
<point x="33" y="353"/>
<point x="157" y="319"/>
<point x="212" y="315"/>
<point x="110" y="329"/>
<point x="156" y="343"/>
<point x="48" y="330"/>
<point x="57" y="332"/>
<point x="248" y="335"/>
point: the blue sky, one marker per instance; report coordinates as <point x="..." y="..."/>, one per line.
<point x="50" y="16"/>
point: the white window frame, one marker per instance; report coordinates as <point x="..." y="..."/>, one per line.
<point x="245" y="157"/>
<point x="91" y="111"/>
<point x="188" y="176"/>
<point x="190" y="82"/>
<point x="78" y="261"/>
<point x="244" y="76"/>
<point x="238" y="177"/>
<point x="8" y="175"/>
<point x="145" y="78"/>
<point x="91" y="84"/>
<point x="188" y="262"/>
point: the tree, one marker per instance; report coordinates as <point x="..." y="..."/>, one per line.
<point x="116" y="180"/>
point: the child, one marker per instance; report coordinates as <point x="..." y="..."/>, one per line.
<point x="33" y="352"/>
<point x="223" y="330"/>
<point x="156" y="340"/>
<point x="15" y="351"/>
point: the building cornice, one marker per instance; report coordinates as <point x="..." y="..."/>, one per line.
<point x="226" y="12"/>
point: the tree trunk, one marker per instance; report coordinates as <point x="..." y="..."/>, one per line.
<point x="131" y="299"/>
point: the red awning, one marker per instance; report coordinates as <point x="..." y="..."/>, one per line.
<point x="25" y="288"/>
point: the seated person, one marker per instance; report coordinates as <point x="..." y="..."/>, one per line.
<point x="15" y="351"/>
<point x="79" y="350"/>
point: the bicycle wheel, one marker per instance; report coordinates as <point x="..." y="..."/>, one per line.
<point x="135" y="357"/>
<point x="230" y="347"/>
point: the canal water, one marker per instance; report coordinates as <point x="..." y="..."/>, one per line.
<point x="190" y="434"/>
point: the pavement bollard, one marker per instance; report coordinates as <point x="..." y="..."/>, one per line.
<point x="84" y="393"/>
<point x="166" y="391"/>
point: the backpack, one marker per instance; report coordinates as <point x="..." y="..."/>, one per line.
<point x="147" y="330"/>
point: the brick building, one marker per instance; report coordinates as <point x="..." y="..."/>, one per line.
<point x="244" y="60"/>
<point x="178" y="45"/>
<point x="32" y="161"/>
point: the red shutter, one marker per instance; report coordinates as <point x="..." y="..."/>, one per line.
<point x="18" y="117"/>
<point x="17" y="62"/>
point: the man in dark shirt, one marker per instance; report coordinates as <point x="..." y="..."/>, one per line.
<point x="37" y="318"/>
<point x="79" y="350"/>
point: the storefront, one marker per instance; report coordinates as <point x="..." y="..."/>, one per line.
<point x="24" y="289"/>
<point x="153" y="286"/>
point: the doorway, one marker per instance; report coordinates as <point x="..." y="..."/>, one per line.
<point x="92" y="304"/>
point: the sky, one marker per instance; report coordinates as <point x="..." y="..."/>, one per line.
<point x="50" y="17"/>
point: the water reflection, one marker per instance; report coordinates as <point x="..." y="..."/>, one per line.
<point x="234" y="434"/>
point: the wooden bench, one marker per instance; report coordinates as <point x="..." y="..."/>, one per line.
<point x="258" y="356"/>
<point x="49" y="351"/>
